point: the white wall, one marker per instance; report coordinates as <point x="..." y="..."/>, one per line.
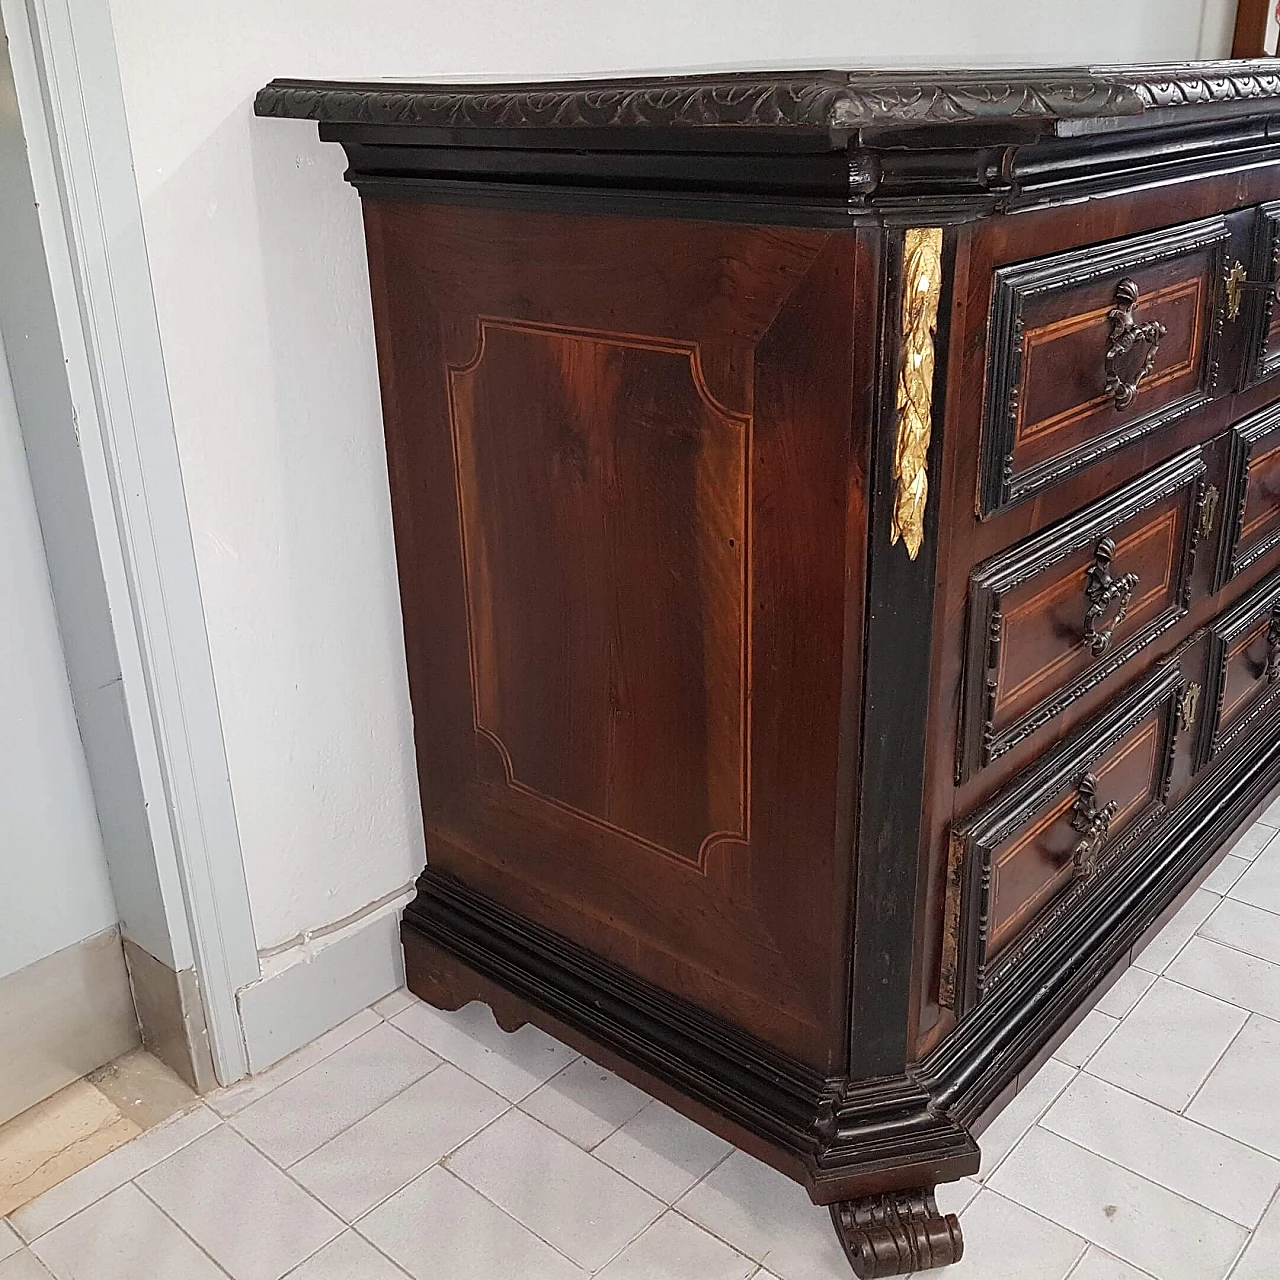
<point x="53" y="873"/>
<point x="257" y="257"/>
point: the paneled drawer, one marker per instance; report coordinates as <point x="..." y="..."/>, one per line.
<point x="1018" y="865"/>
<point x="1251" y="520"/>
<point x="1244" y="668"/>
<point x="1090" y="350"/>
<point x="1060" y="612"/>
<point x="1256" y="307"/>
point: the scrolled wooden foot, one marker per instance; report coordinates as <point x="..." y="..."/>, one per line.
<point x="897" y="1233"/>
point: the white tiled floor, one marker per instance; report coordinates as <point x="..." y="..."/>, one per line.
<point x="412" y="1143"/>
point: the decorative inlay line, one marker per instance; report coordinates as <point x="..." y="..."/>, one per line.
<point x="745" y="422"/>
<point x="921" y="290"/>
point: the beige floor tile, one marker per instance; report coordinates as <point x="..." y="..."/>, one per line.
<point x="1097" y="1264"/>
<point x="1179" y="1154"/>
<point x="247" y="1215"/>
<point x="1168" y="1044"/>
<point x="1225" y="874"/>
<point x="123" y="1237"/>
<point x="1235" y="1099"/>
<point x="394" y="1144"/>
<point x="1253" y="842"/>
<point x="142" y="1088"/>
<point x="1246" y="928"/>
<point x="1259" y="1261"/>
<point x="585" y="1103"/>
<point x="236" y="1097"/>
<point x="768" y="1217"/>
<point x="1231" y="975"/>
<point x="349" y="1257"/>
<point x="304" y="1113"/>
<point x="512" y="1063"/>
<point x="56" y="1138"/>
<point x="554" y="1188"/>
<point x="676" y="1249"/>
<point x="1086" y="1039"/>
<point x="1004" y="1241"/>
<point x="112" y="1171"/>
<point x="397" y="1002"/>
<point x="1002" y="1134"/>
<point x="23" y="1265"/>
<point x="1174" y="936"/>
<point x="1131" y="986"/>
<point x="663" y="1151"/>
<point x="1260" y="885"/>
<point x="439" y="1228"/>
<point x="1116" y="1209"/>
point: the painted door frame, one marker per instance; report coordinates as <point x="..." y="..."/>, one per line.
<point x="72" y="113"/>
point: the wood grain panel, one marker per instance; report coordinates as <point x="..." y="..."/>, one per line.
<point x="581" y="456"/>
<point x="629" y="495"/>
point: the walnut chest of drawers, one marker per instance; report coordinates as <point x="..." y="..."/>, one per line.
<point x="838" y="522"/>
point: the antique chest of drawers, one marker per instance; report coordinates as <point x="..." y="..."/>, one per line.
<point x="838" y="522"/>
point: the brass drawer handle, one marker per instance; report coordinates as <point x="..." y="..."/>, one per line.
<point x="1094" y="825"/>
<point x="1126" y="333"/>
<point x="1101" y="592"/>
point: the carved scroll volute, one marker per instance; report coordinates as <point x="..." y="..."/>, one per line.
<point x="921" y="289"/>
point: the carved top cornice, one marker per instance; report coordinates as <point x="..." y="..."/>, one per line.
<point x="822" y="101"/>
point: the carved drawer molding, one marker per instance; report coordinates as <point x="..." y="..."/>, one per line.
<point x="1020" y="865"/>
<point x="1093" y="349"/>
<point x="1244" y="669"/>
<point x="1251" y="505"/>
<point x="1064" y="610"/>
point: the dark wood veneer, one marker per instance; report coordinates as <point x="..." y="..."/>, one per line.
<point x="801" y="735"/>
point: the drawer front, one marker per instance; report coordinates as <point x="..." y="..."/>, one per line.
<point x="1251" y="528"/>
<point x="1059" y="613"/>
<point x="1255" y="306"/>
<point x="1244" y="668"/>
<point x="1049" y="838"/>
<point x="1093" y="349"/>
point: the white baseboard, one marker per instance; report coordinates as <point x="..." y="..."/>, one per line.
<point x="61" y="1017"/>
<point x="312" y="988"/>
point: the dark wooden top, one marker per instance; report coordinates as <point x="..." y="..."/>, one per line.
<point x="1061" y="100"/>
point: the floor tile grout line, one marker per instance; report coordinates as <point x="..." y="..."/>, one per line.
<point x="1120" y="1164"/>
<point x="1080" y="1257"/>
<point x="1037" y="1213"/>
<point x="165" y="1213"/>
<point x="1217" y="1063"/>
<point x="218" y="1120"/>
<point x="439" y="1163"/>
<point x="1271" y="1204"/>
<point x="665" y="1204"/>
<point x="1231" y="946"/>
<point x="986" y="1180"/>
<point x="524" y="1226"/>
<point x="345" y="1128"/>
<point x="346" y="1044"/>
<point x="1178" y="1194"/>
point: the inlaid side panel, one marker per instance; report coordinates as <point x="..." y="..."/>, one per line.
<point x="628" y="485"/>
<point x="602" y="494"/>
